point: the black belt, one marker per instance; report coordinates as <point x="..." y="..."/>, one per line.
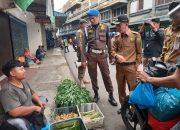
<point x="128" y="63"/>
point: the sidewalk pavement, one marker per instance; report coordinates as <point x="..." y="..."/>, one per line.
<point x="112" y="120"/>
<point x="44" y="78"/>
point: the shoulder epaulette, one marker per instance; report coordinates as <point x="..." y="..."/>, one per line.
<point x="134" y="32"/>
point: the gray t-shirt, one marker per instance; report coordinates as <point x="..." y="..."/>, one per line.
<point x="12" y="97"/>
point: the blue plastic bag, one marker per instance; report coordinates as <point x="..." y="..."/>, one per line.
<point x="143" y="96"/>
<point x="167" y="104"/>
<point x="46" y="127"/>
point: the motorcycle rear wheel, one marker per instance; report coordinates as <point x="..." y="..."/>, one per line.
<point x="133" y="117"/>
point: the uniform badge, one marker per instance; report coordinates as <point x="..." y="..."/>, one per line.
<point x="177" y="43"/>
<point x="102" y="27"/>
<point x="90" y="30"/>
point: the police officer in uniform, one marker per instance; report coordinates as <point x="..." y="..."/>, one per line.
<point x="171" y="48"/>
<point x="128" y="53"/>
<point x="81" y="50"/>
<point x="98" y="40"/>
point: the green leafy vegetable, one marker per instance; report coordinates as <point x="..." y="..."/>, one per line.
<point x="69" y="93"/>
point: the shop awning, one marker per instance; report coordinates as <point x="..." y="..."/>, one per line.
<point x="23" y="4"/>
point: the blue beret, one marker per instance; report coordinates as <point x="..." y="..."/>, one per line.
<point x="93" y="12"/>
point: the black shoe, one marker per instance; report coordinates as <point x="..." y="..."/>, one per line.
<point x="112" y="101"/>
<point x="119" y="111"/>
<point x="96" y="98"/>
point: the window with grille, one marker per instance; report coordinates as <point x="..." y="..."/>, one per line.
<point x="118" y="11"/>
<point x="105" y="15"/>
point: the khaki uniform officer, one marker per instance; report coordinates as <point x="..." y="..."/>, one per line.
<point x="98" y="41"/>
<point x="171" y="48"/>
<point x="81" y="50"/>
<point x="128" y="53"/>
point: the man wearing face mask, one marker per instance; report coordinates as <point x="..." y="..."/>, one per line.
<point x="98" y="43"/>
<point x="153" y="40"/>
<point x="128" y="53"/>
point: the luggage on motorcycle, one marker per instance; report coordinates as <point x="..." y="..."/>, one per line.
<point x="167" y="104"/>
<point x="155" y="124"/>
<point x="143" y="96"/>
<point x="156" y="69"/>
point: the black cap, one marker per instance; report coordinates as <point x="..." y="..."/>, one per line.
<point x="121" y="19"/>
<point x="157" y="20"/>
<point x="173" y="5"/>
<point x="82" y="21"/>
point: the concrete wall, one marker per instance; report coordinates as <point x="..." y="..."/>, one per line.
<point x="148" y="4"/>
<point x="34" y="36"/>
<point x="135" y="5"/>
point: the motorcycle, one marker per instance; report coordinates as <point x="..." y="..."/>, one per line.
<point x="133" y="117"/>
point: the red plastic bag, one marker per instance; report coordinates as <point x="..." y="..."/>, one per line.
<point x="158" y="125"/>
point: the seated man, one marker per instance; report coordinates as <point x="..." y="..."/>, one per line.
<point x="39" y="53"/>
<point x="16" y="96"/>
<point x="44" y="51"/>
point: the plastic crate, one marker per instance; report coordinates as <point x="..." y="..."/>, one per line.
<point x="95" y="123"/>
<point x="82" y="126"/>
<point x="64" y="110"/>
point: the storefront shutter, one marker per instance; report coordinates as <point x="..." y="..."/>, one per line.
<point x="19" y="36"/>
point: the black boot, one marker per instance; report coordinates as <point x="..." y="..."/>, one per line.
<point x="96" y="97"/>
<point x="119" y="111"/>
<point x="111" y="100"/>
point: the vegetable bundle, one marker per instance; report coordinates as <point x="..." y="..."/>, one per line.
<point x="90" y="116"/>
<point x="69" y="125"/>
<point x="69" y="93"/>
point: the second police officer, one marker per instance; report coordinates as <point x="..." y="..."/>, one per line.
<point x="128" y="53"/>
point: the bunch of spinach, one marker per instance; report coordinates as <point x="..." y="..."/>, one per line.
<point x="69" y="93"/>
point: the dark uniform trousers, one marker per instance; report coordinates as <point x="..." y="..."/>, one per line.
<point x="125" y="73"/>
<point x="81" y="70"/>
<point x="81" y="46"/>
<point x="101" y="61"/>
